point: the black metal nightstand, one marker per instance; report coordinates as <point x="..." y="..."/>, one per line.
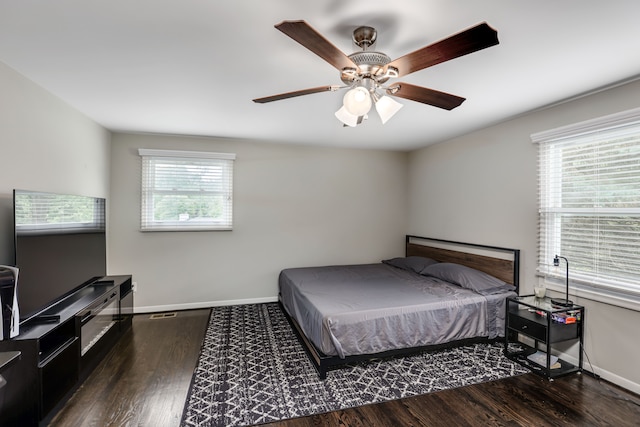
<point x="546" y="324"/>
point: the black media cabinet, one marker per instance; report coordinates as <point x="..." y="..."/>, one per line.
<point x="61" y="348"/>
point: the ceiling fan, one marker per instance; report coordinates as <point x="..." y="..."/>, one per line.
<point x="368" y="73"/>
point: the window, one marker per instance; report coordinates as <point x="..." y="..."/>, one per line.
<point x="186" y="190"/>
<point x="589" y="204"/>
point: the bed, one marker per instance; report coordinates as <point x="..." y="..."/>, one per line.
<point x="441" y="293"/>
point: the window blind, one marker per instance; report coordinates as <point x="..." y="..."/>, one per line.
<point x="185" y="190"/>
<point x="589" y="202"/>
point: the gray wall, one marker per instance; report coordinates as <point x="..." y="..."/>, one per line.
<point x="46" y="146"/>
<point x="293" y="206"/>
<point x="482" y="187"/>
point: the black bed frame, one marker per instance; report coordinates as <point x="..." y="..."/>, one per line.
<point x="508" y="271"/>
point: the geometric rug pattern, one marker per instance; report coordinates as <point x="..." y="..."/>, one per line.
<point x="252" y="369"/>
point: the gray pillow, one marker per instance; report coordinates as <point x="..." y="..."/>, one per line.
<point x="467" y="277"/>
<point x="411" y="263"/>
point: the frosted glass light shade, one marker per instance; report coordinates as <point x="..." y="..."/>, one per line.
<point x="387" y="107"/>
<point x="348" y="119"/>
<point x="357" y="101"/>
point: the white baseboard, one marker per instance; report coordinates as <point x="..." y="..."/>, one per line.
<point x="604" y="374"/>
<point x="618" y="380"/>
<point x="196" y="305"/>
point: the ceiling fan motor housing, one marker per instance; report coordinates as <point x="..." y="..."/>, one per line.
<point x="370" y="63"/>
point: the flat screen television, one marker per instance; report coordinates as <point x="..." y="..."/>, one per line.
<point x="60" y="246"/>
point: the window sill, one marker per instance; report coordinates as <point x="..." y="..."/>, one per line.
<point x="627" y="301"/>
<point x="170" y="229"/>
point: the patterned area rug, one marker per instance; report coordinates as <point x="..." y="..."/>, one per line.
<point x="253" y="370"/>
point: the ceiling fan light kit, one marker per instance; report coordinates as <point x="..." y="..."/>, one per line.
<point x="346" y="118"/>
<point x="366" y="72"/>
<point x="387" y="107"/>
<point x="357" y="101"/>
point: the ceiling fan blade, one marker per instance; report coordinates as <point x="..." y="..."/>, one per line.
<point x="293" y="94"/>
<point x="426" y="96"/>
<point x="477" y="38"/>
<point x="304" y="34"/>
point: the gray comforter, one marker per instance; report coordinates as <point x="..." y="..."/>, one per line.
<point x="370" y="308"/>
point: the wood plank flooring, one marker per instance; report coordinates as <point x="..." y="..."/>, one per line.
<point x="526" y="400"/>
<point x="145" y="379"/>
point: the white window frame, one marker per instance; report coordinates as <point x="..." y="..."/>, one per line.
<point x="622" y="290"/>
<point x="220" y="164"/>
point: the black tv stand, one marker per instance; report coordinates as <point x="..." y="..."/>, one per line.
<point x="45" y="318"/>
<point x="60" y="347"/>
<point x="103" y="281"/>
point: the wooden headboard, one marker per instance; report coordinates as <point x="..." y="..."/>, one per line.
<point x="503" y="263"/>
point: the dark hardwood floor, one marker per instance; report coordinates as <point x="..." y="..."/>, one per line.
<point x="145" y="379"/>
<point x="525" y="400"/>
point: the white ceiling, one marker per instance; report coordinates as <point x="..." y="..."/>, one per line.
<point x="192" y="67"/>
